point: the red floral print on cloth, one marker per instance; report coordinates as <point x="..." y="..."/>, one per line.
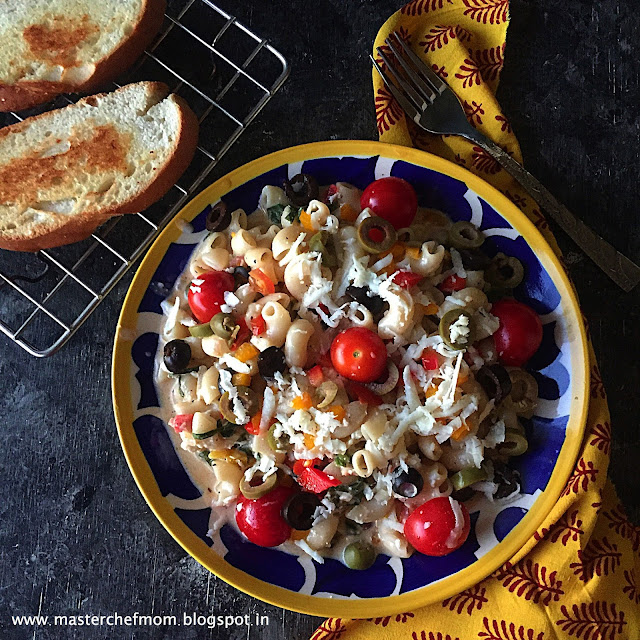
<point x="600" y="557"/>
<point x="469" y="74"/>
<point x="531" y="581"/>
<point x="431" y="635"/>
<point x="440" y="35"/>
<point x="473" y="111"/>
<point x="468" y="599"/>
<point x="482" y="161"/>
<point x="489" y="62"/>
<point x="597" y="620"/>
<point x="505" y="125"/>
<point x="597" y="386"/>
<point x="388" y="111"/>
<point x="631" y="588"/>
<point x="601" y="437"/>
<point x="330" y="629"/>
<point x="418" y="7"/>
<point x="568" y="527"/>
<point x="582" y="475"/>
<point x="401" y="618"/>
<point x="619" y="522"/>
<point x="487" y="11"/>
<point x="503" y="630"/>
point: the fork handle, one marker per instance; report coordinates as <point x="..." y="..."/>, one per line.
<point x="624" y="272"/>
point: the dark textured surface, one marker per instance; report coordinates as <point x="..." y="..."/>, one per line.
<point x="76" y="537"/>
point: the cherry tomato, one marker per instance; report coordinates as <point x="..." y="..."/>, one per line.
<point x="407" y="279"/>
<point x="452" y="283"/>
<point x="316" y="376"/>
<point x="261" y="520"/>
<point x="359" y="354"/>
<point x="434" y="528"/>
<point x="393" y="199"/>
<point x="519" y="334"/>
<point x="206" y="294"/>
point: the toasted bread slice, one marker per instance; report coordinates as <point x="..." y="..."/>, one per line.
<point x="65" y="172"/>
<point x="48" y="47"/>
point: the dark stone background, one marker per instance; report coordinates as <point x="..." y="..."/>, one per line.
<point x="76" y="536"/>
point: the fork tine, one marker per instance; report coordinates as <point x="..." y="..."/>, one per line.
<point x="415" y="97"/>
<point x="424" y="88"/>
<point x="409" y="108"/>
<point x="427" y="73"/>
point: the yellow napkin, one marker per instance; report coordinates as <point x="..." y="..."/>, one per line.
<point x="579" y="576"/>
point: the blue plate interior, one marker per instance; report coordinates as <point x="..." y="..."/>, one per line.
<point x="493" y="521"/>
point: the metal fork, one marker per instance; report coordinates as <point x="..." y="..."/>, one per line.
<point x="433" y="106"/>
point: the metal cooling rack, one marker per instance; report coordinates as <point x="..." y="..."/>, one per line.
<point x="227" y="73"/>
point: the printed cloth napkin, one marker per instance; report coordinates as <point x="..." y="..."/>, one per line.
<point x="578" y="577"/>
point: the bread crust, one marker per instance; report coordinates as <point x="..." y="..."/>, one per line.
<point x="81" y="226"/>
<point x="30" y="93"/>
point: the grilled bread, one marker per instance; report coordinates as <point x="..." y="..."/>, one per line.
<point x="65" y="172"/>
<point x="48" y="47"/>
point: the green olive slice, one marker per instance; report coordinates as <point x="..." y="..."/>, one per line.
<point x="447" y="321"/>
<point x="225" y="408"/>
<point x="317" y="241"/>
<point x="254" y="492"/>
<point x="504" y="272"/>
<point x="467" y="477"/>
<point x="524" y="392"/>
<point x="201" y="330"/>
<point x="464" y="235"/>
<point x="274" y="442"/>
<point x="515" y="444"/>
<point x="359" y="555"/>
<point x="376" y="234"/>
<point x="223" y="325"/>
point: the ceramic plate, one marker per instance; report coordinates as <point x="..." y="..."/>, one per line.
<point x="498" y="530"/>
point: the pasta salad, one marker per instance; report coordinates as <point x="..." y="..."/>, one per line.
<point x="348" y="368"/>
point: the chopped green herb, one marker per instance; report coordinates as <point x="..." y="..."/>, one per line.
<point x="342" y="460"/>
<point x="275" y="213"/>
<point x="178" y="375"/>
<point x="226" y="429"/>
<point x="293" y="216"/>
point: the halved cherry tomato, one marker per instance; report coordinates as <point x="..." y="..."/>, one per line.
<point x="258" y="326"/>
<point x="452" y="283"/>
<point x="359" y="354"/>
<point x="407" y="279"/>
<point x="261" y="282"/>
<point x="206" y="294"/>
<point x="438" y="527"/>
<point x="519" y="334"/>
<point x="261" y="520"/>
<point x="393" y="199"/>
<point x="317" y="481"/>
<point x="363" y="395"/>
<point x="182" y="422"/>
<point x="316" y="376"/>
<point x="430" y="360"/>
<point x="300" y="465"/>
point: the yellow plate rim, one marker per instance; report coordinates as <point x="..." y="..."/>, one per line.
<point x="350" y="608"/>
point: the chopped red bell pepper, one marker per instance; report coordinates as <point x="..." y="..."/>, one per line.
<point x="182" y="422"/>
<point x="300" y="465"/>
<point x="452" y="283"/>
<point x="430" y="360"/>
<point x="258" y="326"/>
<point x="364" y="395"/>
<point x="242" y="335"/>
<point x="316" y="376"/>
<point x="407" y="279"/>
<point x="317" y="481"/>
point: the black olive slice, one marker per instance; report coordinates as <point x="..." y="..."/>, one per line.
<point x="301" y="189"/>
<point x="218" y="217"/>
<point x="495" y="380"/>
<point x="299" y="510"/>
<point x="407" y="484"/>
<point x="271" y="361"/>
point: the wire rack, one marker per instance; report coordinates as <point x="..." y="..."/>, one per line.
<point x="227" y="74"/>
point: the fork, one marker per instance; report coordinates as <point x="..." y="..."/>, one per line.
<point x="432" y="105"/>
